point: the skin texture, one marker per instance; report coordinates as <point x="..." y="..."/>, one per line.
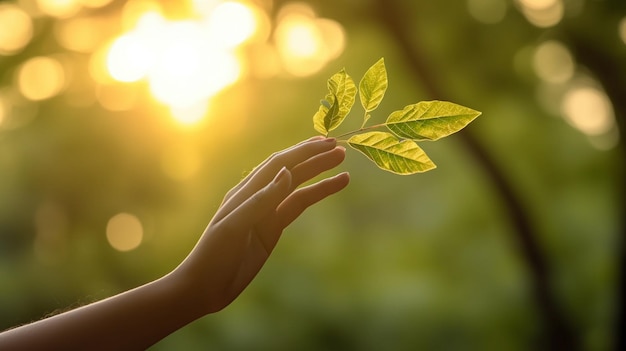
<point x="231" y="251"/>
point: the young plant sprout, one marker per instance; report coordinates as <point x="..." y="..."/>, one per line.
<point x="395" y="150"/>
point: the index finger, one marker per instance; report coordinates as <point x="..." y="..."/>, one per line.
<point x="268" y="169"/>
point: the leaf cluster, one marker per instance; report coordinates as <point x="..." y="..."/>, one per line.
<point x="395" y="150"/>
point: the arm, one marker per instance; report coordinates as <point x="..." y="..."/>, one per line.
<point x="229" y="254"/>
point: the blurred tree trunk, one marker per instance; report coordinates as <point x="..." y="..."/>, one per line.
<point x="558" y="331"/>
<point x="607" y="62"/>
<point x="610" y="70"/>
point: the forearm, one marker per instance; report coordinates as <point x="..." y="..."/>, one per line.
<point x="227" y="257"/>
<point x="133" y="320"/>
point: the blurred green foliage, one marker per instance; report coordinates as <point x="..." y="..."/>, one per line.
<point x="396" y="263"/>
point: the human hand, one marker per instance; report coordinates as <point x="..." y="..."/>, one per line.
<point x="232" y="250"/>
<point x="250" y="220"/>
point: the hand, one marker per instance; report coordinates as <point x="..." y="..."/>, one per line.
<point x="232" y="250"/>
<point x="250" y="220"/>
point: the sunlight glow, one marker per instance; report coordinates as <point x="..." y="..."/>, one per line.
<point x="191" y="115"/>
<point x="189" y="69"/>
<point x="81" y="34"/>
<point x="186" y="62"/>
<point x="538" y="4"/>
<point x="181" y="162"/>
<point x="16" y="29"/>
<point x="306" y="43"/>
<point x="40" y="78"/>
<point x="553" y="62"/>
<point x="4" y="110"/>
<point x="97" y="67"/>
<point x="94" y="3"/>
<point x="204" y="8"/>
<point x="542" y="13"/>
<point x="136" y="11"/>
<point x="59" y="8"/>
<point x="116" y="97"/>
<point x="182" y="61"/>
<point x="124" y="232"/>
<point x="129" y="58"/>
<point x="589" y="110"/>
<point x="266" y="63"/>
<point x="232" y="23"/>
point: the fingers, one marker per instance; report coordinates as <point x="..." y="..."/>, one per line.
<point x="260" y="166"/>
<point x="300" y="200"/>
<point x="317" y="164"/>
<point x="264" y="173"/>
<point x="259" y="205"/>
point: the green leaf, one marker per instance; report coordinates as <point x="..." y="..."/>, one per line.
<point x="400" y="157"/>
<point x="430" y="120"/>
<point x="373" y="86"/>
<point x="342" y="85"/>
<point x="325" y="116"/>
<point x="342" y="94"/>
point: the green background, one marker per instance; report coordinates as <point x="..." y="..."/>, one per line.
<point x="431" y="261"/>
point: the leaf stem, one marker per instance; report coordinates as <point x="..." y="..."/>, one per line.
<point x="362" y="129"/>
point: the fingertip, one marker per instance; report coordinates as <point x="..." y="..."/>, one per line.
<point x="314" y="138"/>
<point x="343" y="178"/>
<point x="283" y="176"/>
<point x="342" y="150"/>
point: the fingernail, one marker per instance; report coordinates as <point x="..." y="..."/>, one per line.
<point x="330" y="140"/>
<point x="281" y="175"/>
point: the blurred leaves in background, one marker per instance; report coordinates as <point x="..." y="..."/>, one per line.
<point x="123" y="123"/>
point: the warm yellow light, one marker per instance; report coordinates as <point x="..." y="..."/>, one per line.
<point x="95" y="3"/>
<point x="304" y="42"/>
<point x="124" y="232"/>
<point x="16" y="29"/>
<point x="553" y="62"/>
<point x="59" y="8"/>
<point x="266" y="63"/>
<point x="299" y="43"/>
<point x="538" y="4"/>
<point x="333" y="37"/>
<point x="181" y="162"/>
<point x="180" y="60"/>
<point x="303" y="39"/>
<point x="80" y="34"/>
<point x="191" y="115"/>
<point x="589" y="110"/>
<point x="296" y="8"/>
<point x="129" y="58"/>
<point x="116" y="97"/>
<point x="543" y="13"/>
<point x="3" y="110"/>
<point x="135" y="11"/>
<point x="132" y="55"/>
<point x="204" y="7"/>
<point x="189" y="69"/>
<point x="98" y="69"/>
<point x="232" y="23"/>
<point x="40" y="78"/>
<point x="487" y="11"/>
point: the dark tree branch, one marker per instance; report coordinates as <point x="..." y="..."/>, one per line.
<point x="559" y="333"/>
<point x="611" y="72"/>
